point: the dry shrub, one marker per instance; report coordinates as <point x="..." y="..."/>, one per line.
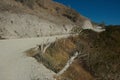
<point x="71" y="14"/>
<point x="29" y="3"/>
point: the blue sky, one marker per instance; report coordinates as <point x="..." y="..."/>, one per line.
<point x="107" y="11"/>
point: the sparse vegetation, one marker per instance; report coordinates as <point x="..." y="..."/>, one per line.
<point x="101" y="61"/>
<point x="76" y="29"/>
<point x="58" y="54"/>
<point x="104" y="53"/>
<point x="43" y="3"/>
<point x="29" y="3"/>
<point x="71" y="14"/>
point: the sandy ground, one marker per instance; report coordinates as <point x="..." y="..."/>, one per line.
<point x="15" y="65"/>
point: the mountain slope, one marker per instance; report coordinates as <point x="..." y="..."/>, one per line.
<point x="48" y="40"/>
<point x="36" y="18"/>
<point x="99" y="59"/>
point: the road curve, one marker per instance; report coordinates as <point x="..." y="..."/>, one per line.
<point x="15" y="65"/>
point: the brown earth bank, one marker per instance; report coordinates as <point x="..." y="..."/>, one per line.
<point x="99" y="59"/>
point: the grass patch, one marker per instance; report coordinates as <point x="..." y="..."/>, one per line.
<point x="58" y="54"/>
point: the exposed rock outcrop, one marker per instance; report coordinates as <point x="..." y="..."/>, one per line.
<point x="46" y="18"/>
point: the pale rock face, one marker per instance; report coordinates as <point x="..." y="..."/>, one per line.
<point x="88" y="25"/>
<point x="26" y="25"/>
<point x="98" y="28"/>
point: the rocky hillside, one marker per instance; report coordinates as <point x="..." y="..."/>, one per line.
<point x="36" y="18"/>
<point x="55" y="43"/>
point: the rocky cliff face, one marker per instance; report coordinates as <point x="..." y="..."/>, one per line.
<point x="25" y="25"/>
<point x="34" y="18"/>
